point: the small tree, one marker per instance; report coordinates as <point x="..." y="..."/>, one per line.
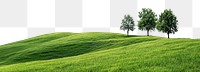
<point x="147" y="20"/>
<point x="127" y="24"/>
<point x="167" y="22"/>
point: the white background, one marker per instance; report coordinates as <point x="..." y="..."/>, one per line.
<point x="95" y="16"/>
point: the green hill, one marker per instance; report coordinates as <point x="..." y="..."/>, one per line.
<point x="95" y="51"/>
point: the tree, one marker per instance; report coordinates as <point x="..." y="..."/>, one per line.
<point x="127" y="24"/>
<point x="147" y="20"/>
<point x="167" y="22"/>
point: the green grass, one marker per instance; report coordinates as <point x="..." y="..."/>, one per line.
<point x="100" y="52"/>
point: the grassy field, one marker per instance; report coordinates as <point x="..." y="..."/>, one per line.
<point x="100" y="52"/>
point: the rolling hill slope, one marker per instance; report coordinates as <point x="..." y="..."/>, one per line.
<point x="86" y="52"/>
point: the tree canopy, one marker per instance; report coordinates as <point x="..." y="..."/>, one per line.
<point x="167" y="22"/>
<point x="147" y="20"/>
<point x="127" y="24"/>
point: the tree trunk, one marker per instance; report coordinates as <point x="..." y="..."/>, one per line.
<point x="147" y="32"/>
<point x="168" y="34"/>
<point x="128" y="32"/>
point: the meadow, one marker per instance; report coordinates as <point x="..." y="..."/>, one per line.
<point x="100" y="52"/>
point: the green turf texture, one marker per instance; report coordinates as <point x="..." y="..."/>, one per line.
<point x="100" y="52"/>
